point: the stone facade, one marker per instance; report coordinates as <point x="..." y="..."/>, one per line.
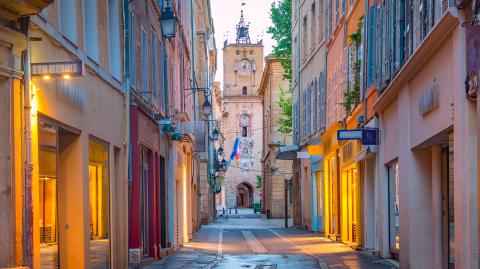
<point x="242" y="118"/>
<point x="274" y="171"/>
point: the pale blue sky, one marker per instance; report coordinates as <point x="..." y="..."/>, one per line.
<point x="226" y="14"/>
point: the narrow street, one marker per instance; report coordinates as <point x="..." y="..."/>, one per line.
<point x="247" y="240"/>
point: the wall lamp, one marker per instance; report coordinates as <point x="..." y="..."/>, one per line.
<point x="168" y="23"/>
<point x="215" y="135"/>
<point x="207" y="106"/>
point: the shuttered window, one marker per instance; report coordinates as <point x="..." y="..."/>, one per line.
<point x="144" y="64"/>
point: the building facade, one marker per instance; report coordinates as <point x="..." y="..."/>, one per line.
<point x="309" y="43"/>
<point x="243" y="117"/>
<point x="407" y="74"/>
<point x="427" y="164"/>
<point x="14" y="32"/>
<point x="272" y="88"/>
<point x="78" y="144"/>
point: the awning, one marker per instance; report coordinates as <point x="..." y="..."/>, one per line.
<point x="287" y="153"/>
<point x="364" y="154"/>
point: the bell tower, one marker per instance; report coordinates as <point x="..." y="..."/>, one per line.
<point x="243" y="120"/>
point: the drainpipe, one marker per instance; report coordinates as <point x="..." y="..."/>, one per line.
<point x="29" y="166"/>
<point x="299" y="87"/>
<point x="127" y="142"/>
<point x="364" y="62"/>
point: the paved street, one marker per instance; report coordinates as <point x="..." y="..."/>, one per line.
<point x="250" y="240"/>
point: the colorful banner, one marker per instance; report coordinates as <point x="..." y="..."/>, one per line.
<point x="235" y="154"/>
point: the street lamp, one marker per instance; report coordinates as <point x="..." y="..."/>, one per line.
<point x="220" y="151"/>
<point x="215" y="135"/>
<point x="168" y="22"/>
<point x="207" y="108"/>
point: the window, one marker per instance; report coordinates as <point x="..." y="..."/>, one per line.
<point x="91" y="29"/>
<point x="393" y="205"/>
<point x="305" y="38"/>
<point x="313" y="29"/>
<point x="304" y="118"/>
<point x="99" y="185"/>
<point x="132" y="64"/>
<point x="371" y="46"/>
<point x="68" y="20"/>
<point x="114" y="39"/>
<point x="245" y="90"/>
<point x="337" y="11"/>
<point x="314" y="105"/>
<point x="144" y="64"/>
<point x="145" y="200"/>
<point x="321" y="18"/>
<point x="244" y="131"/>
<point x="48" y="195"/>
<point x="154" y="65"/>
<point x="321" y="100"/>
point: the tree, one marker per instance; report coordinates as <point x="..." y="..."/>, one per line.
<point x="285" y="103"/>
<point x="281" y="31"/>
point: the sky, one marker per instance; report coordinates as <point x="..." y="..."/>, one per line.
<point x="226" y="15"/>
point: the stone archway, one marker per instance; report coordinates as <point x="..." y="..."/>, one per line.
<point x="244" y="195"/>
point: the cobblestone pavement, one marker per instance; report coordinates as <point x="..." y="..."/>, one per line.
<point x="252" y="241"/>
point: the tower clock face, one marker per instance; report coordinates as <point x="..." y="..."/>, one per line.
<point x="244" y="68"/>
<point x="244" y="121"/>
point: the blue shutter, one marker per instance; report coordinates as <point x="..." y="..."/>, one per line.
<point x="371" y="45"/>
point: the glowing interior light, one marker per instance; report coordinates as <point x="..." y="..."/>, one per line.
<point x="66" y="76"/>
<point x="185" y="208"/>
<point x="33" y="102"/>
<point x="46" y="77"/>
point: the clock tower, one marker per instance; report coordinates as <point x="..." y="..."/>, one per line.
<point x="242" y="118"/>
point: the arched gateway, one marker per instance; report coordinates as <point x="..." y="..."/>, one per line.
<point x="244" y="195"/>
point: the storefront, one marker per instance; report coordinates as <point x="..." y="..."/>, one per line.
<point x="146" y="196"/>
<point x="350" y="198"/>
<point x="331" y="187"/>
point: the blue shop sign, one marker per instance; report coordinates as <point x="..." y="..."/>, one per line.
<point x="367" y="136"/>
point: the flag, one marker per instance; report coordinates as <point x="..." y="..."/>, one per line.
<point x="235" y="152"/>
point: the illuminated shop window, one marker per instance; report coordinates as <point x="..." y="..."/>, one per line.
<point x="99" y="205"/>
<point x="48" y="205"/>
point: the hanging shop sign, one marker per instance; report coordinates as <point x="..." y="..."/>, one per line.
<point x="367" y="136"/>
<point x="349" y="134"/>
<point x="57" y="69"/>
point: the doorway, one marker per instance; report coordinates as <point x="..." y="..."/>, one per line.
<point x="244" y="195"/>
<point x="48" y="195"/>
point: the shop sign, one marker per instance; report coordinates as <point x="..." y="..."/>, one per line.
<point x="349" y="134"/>
<point x="429" y="100"/>
<point x="135" y="255"/>
<point x="57" y="69"/>
<point x="303" y="155"/>
<point x="164" y="121"/>
<point x="367" y="136"/>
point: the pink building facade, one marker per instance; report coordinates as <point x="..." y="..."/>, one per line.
<point x="426" y="184"/>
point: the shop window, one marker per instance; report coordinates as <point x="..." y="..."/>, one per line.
<point x="48" y="197"/>
<point x="99" y="205"/>
<point x="145" y="200"/>
<point x="394" y="212"/>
